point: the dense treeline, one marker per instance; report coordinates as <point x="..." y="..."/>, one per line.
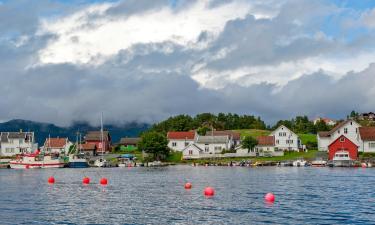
<point x="205" y="121"/>
<point x="222" y="121"/>
<point x="302" y="124"/>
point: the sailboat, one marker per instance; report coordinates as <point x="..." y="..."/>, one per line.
<point x="76" y="157"/>
<point x="101" y="162"/>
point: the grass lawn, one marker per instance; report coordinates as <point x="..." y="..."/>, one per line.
<point x="253" y="132"/>
<point x="310" y="155"/>
<point x="305" y="138"/>
<point x="174" y="157"/>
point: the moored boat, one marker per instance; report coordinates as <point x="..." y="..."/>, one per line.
<point x="36" y="160"/>
<point x="319" y="163"/>
<point x="77" y="161"/>
<point x="300" y="163"/>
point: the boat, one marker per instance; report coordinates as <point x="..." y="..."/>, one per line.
<point x="4" y="163"/>
<point x="319" y="163"/>
<point x="300" y="163"/>
<point x="342" y="159"/>
<point x="101" y="162"/>
<point x="76" y="157"/>
<point x="285" y="163"/>
<point x="126" y="160"/>
<point x="37" y="160"/>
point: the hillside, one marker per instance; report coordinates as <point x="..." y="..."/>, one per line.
<point x="307" y="139"/>
<point x="43" y="130"/>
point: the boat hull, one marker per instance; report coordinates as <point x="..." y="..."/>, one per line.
<point x="78" y="165"/>
<point x="20" y="165"/>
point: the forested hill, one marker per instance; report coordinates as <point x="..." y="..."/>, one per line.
<point x="43" y="130"/>
<point x="205" y="121"/>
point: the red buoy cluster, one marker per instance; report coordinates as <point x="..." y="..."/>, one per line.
<point x="209" y="192"/>
<point x="86" y="180"/>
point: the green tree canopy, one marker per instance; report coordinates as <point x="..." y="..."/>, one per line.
<point x="154" y="143"/>
<point x="249" y="142"/>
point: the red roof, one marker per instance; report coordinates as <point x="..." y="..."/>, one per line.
<point x="88" y="146"/>
<point x="55" y="142"/>
<point x="367" y="133"/>
<point x="181" y="135"/>
<point x="266" y="140"/>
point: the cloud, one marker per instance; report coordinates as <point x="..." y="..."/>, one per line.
<point x="368" y="18"/>
<point x="142" y="61"/>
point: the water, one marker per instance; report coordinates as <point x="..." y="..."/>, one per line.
<point x="157" y="196"/>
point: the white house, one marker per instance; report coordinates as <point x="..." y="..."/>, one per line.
<point x="13" y="143"/>
<point x="285" y="139"/>
<point x="234" y="137"/>
<point x="179" y="140"/>
<point x="367" y="139"/>
<point x="57" y="145"/>
<point x="348" y="128"/>
<point x="204" y="146"/>
<point x="327" y="121"/>
<point x="265" y="144"/>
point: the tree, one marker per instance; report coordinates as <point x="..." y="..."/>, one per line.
<point x="249" y="142"/>
<point x="154" y="143"/>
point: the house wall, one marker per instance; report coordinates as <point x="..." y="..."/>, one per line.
<point x="212" y="148"/>
<point x="64" y="149"/>
<point x="180" y="145"/>
<point x="367" y="146"/>
<point x="285" y="139"/>
<point x="349" y="130"/>
<point x="17" y="146"/>
<point x="264" y="148"/>
<point x="98" y="145"/>
<point x="345" y="145"/>
<point x="191" y="152"/>
<point x="323" y="143"/>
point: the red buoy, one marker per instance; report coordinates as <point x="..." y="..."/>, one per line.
<point x="209" y="191"/>
<point x="86" y="180"/>
<point x="51" y="180"/>
<point x="188" y="185"/>
<point x="269" y="197"/>
<point x="103" y="181"/>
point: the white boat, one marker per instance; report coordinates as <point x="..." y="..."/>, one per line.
<point x="101" y="163"/>
<point x="299" y="163"/>
<point x="36" y="160"/>
<point x="342" y="159"/>
<point x="319" y="163"/>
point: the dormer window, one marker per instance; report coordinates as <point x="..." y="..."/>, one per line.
<point x="342" y="139"/>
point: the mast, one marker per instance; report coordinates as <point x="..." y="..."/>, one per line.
<point x="101" y="134"/>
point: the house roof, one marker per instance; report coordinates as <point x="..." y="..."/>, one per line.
<point x="367" y="133"/>
<point x="96" y="136"/>
<point x="334" y="129"/>
<point x="341" y="137"/>
<point x="193" y="145"/>
<point x="283" y="126"/>
<point x="266" y="140"/>
<point x="233" y="134"/>
<point x="130" y="141"/>
<point x="88" y="147"/>
<point x="5" y="136"/>
<point x="212" y="139"/>
<point x="55" y="142"/>
<point x="181" y="135"/>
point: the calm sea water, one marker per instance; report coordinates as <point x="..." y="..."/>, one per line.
<point x="157" y="196"/>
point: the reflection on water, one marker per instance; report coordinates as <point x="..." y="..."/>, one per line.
<point x="157" y="196"/>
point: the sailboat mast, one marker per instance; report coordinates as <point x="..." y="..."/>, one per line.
<point x="101" y="133"/>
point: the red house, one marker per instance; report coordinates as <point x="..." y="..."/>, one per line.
<point x="343" y="144"/>
<point x="94" y="137"/>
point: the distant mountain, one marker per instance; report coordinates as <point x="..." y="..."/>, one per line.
<point x="43" y="130"/>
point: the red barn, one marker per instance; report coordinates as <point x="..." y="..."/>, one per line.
<point x="95" y="137"/>
<point x="343" y="144"/>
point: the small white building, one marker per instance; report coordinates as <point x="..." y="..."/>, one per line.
<point x="327" y="121"/>
<point x="367" y="139"/>
<point x="265" y="144"/>
<point x="348" y="128"/>
<point x="57" y="145"/>
<point x="205" y="146"/>
<point x="179" y="140"/>
<point x="285" y="139"/>
<point x="13" y="143"/>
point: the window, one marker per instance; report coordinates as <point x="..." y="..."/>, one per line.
<point x="186" y="144"/>
<point x="190" y="152"/>
<point x="351" y="123"/>
<point x="345" y="130"/>
<point x="338" y="131"/>
<point x="277" y="141"/>
<point x="291" y="141"/>
<point x="371" y="145"/>
<point x="356" y="130"/>
<point x="206" y="148"/>
<point x="284" y="134"/>
<point x="280" y="134"/>
<point x="342" y="139"/>
<point x="174" y="144"/>
<point x="217" y="148"/>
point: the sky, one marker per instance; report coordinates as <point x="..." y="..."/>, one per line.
<point x="142" y="61"/>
